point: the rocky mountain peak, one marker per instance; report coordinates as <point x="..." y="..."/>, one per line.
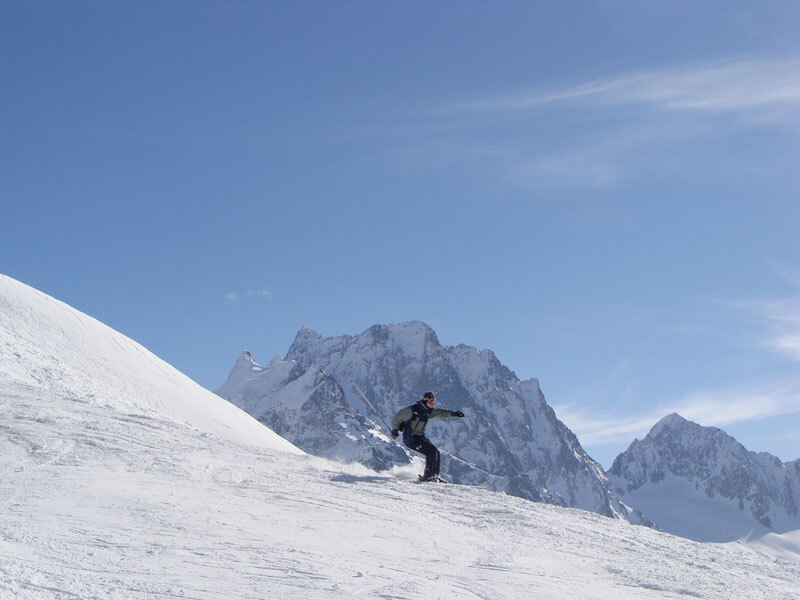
<point x="511" y="439"/>
<point x="246" y="359"/>
<point x="244" y="367"/>
<point x="305" y="337"/>
<point x="713" y="473"/>
<point x="670" y="425"/>
<point x="679" y="447"/>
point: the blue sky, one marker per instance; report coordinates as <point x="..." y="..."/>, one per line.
<point x="603" y="193"/>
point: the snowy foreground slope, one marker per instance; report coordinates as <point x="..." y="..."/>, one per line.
<point x="48" y="347"/>
<point x="107" y="490"/>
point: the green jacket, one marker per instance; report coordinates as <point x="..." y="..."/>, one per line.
<point x="414" y="419"/>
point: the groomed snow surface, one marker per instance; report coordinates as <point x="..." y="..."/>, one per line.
<point x="111" y="487"/>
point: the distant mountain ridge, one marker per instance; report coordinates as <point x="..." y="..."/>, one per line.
<point x="717" y="489"/>
<point x="511" y="439"/>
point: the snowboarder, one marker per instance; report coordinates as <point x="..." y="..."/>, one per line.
<point x="412" y="421"/>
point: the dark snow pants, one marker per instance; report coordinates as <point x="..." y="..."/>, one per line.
<point x="423" y="445"/>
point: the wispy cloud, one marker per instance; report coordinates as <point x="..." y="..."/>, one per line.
<point x="735" y="84"/>
<point x="789" y="435"/>
<point x="601" y="162"/>
<point x="784" y="319"/>
<point x="261" y="293"/>
<point x="594" y="428"/>
<point x="235" y="298"/>
<point x="780" y="321"/>
<point x="711" y="408"/>
<point x="780" y="318"/>
<point x="738" y="405"/>
<point x="609" y="130"/>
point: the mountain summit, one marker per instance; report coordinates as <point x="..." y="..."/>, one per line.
<point x="511" y="439"/>
<point x="699" y="482"/>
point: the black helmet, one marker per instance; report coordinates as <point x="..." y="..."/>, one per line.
<point x="428" y="396"/>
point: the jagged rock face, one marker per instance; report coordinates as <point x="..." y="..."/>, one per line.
<point x="510" y="432"/>
<point x="759" y="484"/>
<point x="793" y="470"/>
<point x="306" y="406"/>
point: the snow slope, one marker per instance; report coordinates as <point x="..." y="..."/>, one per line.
<point x="49" y="347"/>
<point x="110" y="488"/>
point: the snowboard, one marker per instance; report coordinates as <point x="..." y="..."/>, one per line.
<point x="436" y="479"/>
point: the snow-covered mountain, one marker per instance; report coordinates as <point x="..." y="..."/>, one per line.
<point x="700" y="483"/>
<point x="307" y="406"/>
<point x="510" y="440"/>
<point x="122" y="479"/>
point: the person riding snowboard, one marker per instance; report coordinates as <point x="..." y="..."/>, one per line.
<point x="412" y="421"/>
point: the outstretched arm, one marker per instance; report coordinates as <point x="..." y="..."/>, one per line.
<point x="443" y="413"/>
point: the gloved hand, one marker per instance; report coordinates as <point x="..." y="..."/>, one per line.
<point x="458" y="413"/>
<point x="395" y="433"/>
